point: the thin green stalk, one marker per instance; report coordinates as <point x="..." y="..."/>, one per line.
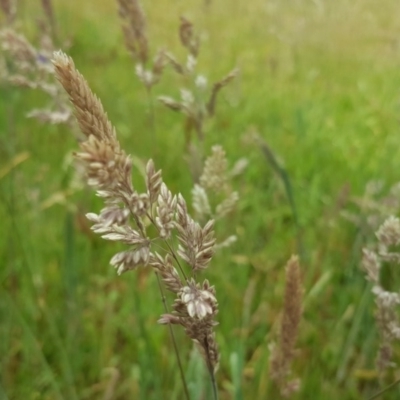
<point x="36" y="346"/>
<point x="213" y="381"/>
<point x="150" y="358"/>
<point x="282" y="173"/>
<point x="152" y="119"/>
<point x="376" y="395"/>
<point x="214" y="386"/>
<point x="171" y="332"/>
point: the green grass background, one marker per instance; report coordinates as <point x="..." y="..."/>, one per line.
<point x="320" y="81"/>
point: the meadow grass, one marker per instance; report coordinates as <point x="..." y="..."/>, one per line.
<point x="320" y="83"/>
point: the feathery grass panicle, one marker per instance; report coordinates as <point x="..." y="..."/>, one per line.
<point x="215" y="172"/>
<point x="166" y="206"/>
<point x="195" y="309"/>
<point x="134" y="29"/>
<point x="373" y="206"/>
<point x="195" y="103"/>
<point x="200" y="202"/>
<point x="213" y="196"/>
<point x="387" y="302"/>
<point x="211" y="104"/>
<point x="19" y="48"/>
<point x="137" y="43"/>
<point x="89" y="112"/>
<point x="48" y="10"/>
<point x="215" y="182"/>
<point x="283" y="354"/>
<point x="196" y="243"/>
<point x="30" y="67"/>
<point x="108" y="171"/>
<point x="389" y="235"/>
<point x="107" y="166"/>
<point x="188" y="38"/>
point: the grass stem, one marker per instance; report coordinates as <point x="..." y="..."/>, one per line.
<point x="392" y="385"/>
<point x="171" y="332"/>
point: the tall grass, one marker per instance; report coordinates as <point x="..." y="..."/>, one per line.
<point x="320" y="82"/>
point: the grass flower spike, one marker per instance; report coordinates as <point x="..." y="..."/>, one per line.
<point x="124" y="219"/>
<point x="387" y="301"/>
<point x="283" y="354"/>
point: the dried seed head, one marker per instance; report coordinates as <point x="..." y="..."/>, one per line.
<point x="216" y="89"/>
<point x="149" y="77"/>
<point x="139" y="204"/>
<point x="134" y="29"/>
<point x="199" y="303"/>
<point x="127" y="260"/>
<point x="371" y="265"/>
<point x="386" y="302"/>
<point x="239" y="167"/>
<point x="153" y="181"/>
<point x="32" y="68"/>
<point x="21" y="51"/>
<point x="168" y="273"/>
<point x="200" y="201"/>
<point x="195" y="309"/>
<point x="117" y="233"/>
<point x="196" y="243"/>
<point x="159" y="64"/>
<point x="106" y="168"/>
<point x="389" y="232"/>
<point x="214" y="176"/>
<point x="109" y="170"/>
<point x="165" y="212"/>
<point x="292" y="308"/>
<point x="384" y="298"/>
<point x="188" y="38"/>
<point x="47" y="7"/>
<point x="114" y="214"/>
<point x="167" y="319"/>
<point x="89" y="111"/>
<point x="282" y="355"/>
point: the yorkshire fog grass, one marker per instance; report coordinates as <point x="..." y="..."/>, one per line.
<point x="319" y="82"/>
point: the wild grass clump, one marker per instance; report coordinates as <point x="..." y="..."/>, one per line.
<point x="161" y="234"/>
<point x="329" y="110"/>
<point x="28" y="66"/>
<point x="283" y="354"/>
<point x="387" y="299"/>
<point x="196" y="103"/>
<point x="124" y="219"/>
